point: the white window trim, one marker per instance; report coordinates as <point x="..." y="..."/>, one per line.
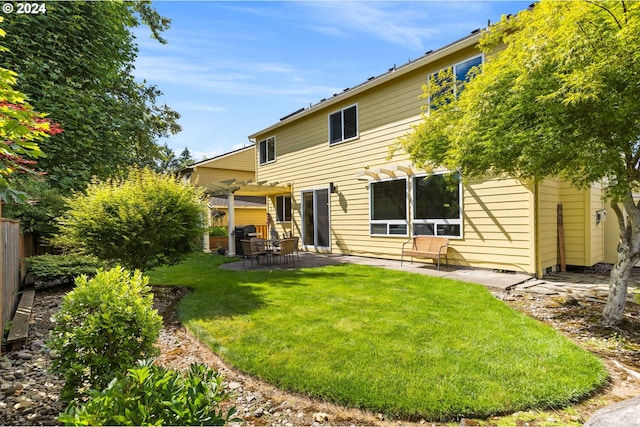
<point x="274" y="150"/>
<point x="343" y="140"/>
<point x="436" y="222"/>
<point x="390" y="222"/>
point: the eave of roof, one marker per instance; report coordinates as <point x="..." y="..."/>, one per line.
<point x="219" y="157"/>
<point x="376" y="81"/>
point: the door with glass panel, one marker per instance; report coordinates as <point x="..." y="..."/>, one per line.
<point x="315" y="218"/>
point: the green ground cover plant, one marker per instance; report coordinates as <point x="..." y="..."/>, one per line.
<point x="154" y="395"/>
<point x="52" y="270"/>
<point x="407" y="345"/>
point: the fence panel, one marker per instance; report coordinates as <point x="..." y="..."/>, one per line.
<point x="10" y="268"/>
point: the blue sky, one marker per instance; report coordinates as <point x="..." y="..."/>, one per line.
<point x="232" y="68"/>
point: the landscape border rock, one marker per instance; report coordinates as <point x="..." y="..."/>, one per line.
<point x="625" y="413"/>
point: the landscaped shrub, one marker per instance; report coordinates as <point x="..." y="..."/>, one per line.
<point x="53" y="270"/>
<point x="141" y="222"/>
<point x="103" y="327"/>
<point x="154" y="395"/>
<point x="218" y="231"/>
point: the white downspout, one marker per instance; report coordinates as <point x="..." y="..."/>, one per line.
<point x="205" y="239"/>
<point x="231" y="225"/>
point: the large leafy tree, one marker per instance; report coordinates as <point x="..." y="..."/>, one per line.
<point x="557" y="97"/>
<point x="76" y="63"/>
<point x="21" y="131"/>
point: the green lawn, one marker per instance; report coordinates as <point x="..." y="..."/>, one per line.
<point x="403" y="344"/>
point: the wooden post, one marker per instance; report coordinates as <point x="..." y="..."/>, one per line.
<point x="563" y="262"/>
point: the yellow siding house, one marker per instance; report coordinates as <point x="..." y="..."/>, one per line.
<point x="348" y="197"/>
<point x="216" y="174"/>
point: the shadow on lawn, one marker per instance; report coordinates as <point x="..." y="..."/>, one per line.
<point x="237" y="293"/>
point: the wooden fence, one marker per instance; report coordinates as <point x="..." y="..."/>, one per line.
<point x="10" y="259"/>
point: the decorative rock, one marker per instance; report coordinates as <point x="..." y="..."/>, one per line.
<point x="625" y="413"/>
<point x="24" y="355"/>
<point x="23" y="405"/>
<point x="320" y="417"/>
<point x="37" y="345"/>
<point x="233" y="385"/>
<point x="17" y="387"/>
<point x="259" y="412"/>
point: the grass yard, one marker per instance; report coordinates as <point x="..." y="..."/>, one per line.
<point x="404" y="344"/>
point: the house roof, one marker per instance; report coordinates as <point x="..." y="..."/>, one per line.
<point x="373" y="82"/>
<point x="247" y="152"/>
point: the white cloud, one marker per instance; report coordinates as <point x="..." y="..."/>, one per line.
<point x="410" y="24"/>
<point x="234" y="77"/>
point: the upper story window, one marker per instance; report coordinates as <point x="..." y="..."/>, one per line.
<point x="283" y="208"/>
<point x="437" y="205"/>
<point x="267" y="150"/>
<point x="388" y="207"/>
<point x="451" y="88"/>
<point x="343" y="124"/>
<point x="461" y="70"/>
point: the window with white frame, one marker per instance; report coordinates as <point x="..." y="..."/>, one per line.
<point x="461" y="73"/>
<point x="267" y="150"/>
<point x="437" y="205"/>
<point x="343" y="124"/>
<point x="388" y="208"/>
<point x="283" y="208"/>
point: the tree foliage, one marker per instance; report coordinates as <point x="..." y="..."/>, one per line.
<point x="76" y="62"/>
<point x="21" y="131"/>
<point x="142" y="221"/>
<point x="557" y="97"/>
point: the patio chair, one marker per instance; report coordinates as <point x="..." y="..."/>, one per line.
<point x="251" y="251"/>
<point x="287" y="249"/>
<point x="297" y="252"/>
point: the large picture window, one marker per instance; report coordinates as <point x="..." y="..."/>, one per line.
<point x="283" y="209"/>
<point x="267" y="149"/>
<point x="343" y="125"/>
<point x="388" y="207"/>
<point x="437" y="205"/>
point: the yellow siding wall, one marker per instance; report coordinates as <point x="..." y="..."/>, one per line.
<point x="548" y="199"/>
<point x="612" y="236"/>
<point x="204" y="175"/>
<point x="584" y="239"/>
<point x="244" y="216"/>
<point x="498" y="221"/>
<point x="498" y="231"/>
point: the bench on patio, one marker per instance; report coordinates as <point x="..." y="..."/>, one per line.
<point x="427" y="247"/>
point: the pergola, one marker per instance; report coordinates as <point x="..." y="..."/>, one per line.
<point x="231" y="188"/>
